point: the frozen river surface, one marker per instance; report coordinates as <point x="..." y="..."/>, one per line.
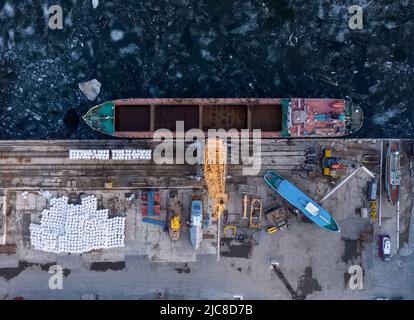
<point x="202" y="48"/>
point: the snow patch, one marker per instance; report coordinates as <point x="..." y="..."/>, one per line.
<point x="206" y="55"/>
<point x="384" y="117"/>
<point x="132" y="48"/>
<point x="68" y="20"/>
<point x="391" y="25"/>
<point x="245" y="28"/>
<point x="206" y="39"/>
<point x="7" y="11"/>
<point x="117" y="35"/>
<point x="90" y="89"/>
<point x="340" y="37"/>
<point x="29" y="31"/>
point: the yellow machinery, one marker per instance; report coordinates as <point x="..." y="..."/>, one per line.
<point x="271" y="230"/>
<point x="233" y="230"/>
<point x="373" y="204"/>
<point x="372" y="197"/>
<point x="215" y="158"/>
<point x="175" y="226"/>
<point x="174" y="219"/>
<point x="276" y="218"/>
<point x="175" y="222"/>
<point x="335" y="167"/>
<point x="256" y="210"/>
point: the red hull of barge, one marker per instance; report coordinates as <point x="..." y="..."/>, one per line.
<point x="393" y="173"/>
<point x="296" y="117"/>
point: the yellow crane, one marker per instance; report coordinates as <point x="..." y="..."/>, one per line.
<point x="214" y="169"/>
<point x="215" y="158"/>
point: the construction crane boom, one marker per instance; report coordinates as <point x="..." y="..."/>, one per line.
<point x="215" y="158"/>
<point x="214" y="169"/>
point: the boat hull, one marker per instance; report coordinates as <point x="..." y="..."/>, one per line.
<point x="196" y="236"/>
<point x="392" y="171"/>
<point x="301" y="201"/>
<point x="196" y="224"/>
<point x="286" y="117"/>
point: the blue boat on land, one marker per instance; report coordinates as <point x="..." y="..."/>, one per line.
<point x="196" y="225"/>
<point x="301" y="201"/>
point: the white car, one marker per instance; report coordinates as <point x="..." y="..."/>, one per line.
<point x="385" y="247"/>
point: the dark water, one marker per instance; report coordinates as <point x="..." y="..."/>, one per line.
<point x="202" y="48"/>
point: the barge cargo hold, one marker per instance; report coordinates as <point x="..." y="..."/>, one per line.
<point x="290" y="117"/>
<point x="301" y="201"/>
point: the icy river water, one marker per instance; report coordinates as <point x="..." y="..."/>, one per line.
<point x="202" y="48"/>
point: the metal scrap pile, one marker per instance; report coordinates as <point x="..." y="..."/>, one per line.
<point x="68" y="228"/>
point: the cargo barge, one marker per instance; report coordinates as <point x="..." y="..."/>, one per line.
<point x="286" y="117"/>
<point x="301" y="201"/>
<point x="393" y="172"/>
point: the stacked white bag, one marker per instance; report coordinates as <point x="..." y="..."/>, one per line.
<point x="80" y="154"/>
<point x="68" y="228"/>
<point x="131" y="154"/>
